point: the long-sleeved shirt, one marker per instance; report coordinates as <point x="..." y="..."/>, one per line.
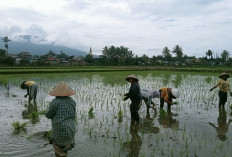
<point x="224" y="86"/>
<point x="165" y="95"/>
<point x="134" y="93"/>
<point x="29" y="83"/>
<point x="62" y="112"/>
<point x="148" y="95"/>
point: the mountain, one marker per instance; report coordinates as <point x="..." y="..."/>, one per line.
<point x="40" y="49"/>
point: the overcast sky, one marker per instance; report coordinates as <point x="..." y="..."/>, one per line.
<point x="144" y="26"/>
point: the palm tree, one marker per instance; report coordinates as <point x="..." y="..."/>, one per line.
<point x="178" y="51"/>
<point x="225" y="55"/>
<point x="6" y="40"/>
<point x="209" y="53"/>
<point x="166" y="53"/>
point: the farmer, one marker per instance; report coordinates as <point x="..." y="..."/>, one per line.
<point x="224" y="87"/>
<point x="167" y="94"/>
<point x="31" y="87"/>
<point x="62" y="112"/>
<point x="135" y="97"/>
<point x="147" y="97"/>
<point x="223" y="126"/>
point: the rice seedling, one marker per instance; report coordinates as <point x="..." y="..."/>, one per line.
<point x="90" y="113"/>
<point x="19" y="126"/>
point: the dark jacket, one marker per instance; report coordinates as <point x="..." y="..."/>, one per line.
<point x="134" y="93"/>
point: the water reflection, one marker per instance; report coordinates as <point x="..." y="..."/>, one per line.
<point x="223" y="126"/>
<point x="147" y="125"/>
<point x="31" y="108"/>
<point x="167" y="121"/>
<point x="7" y="87"/>
<point x="134" y="145"/>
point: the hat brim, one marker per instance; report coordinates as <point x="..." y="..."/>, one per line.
<point x="131" y="78"/>
<point x="228" y="76"/>
<point x="55" y="93"/>
<point x="61" y="90"/>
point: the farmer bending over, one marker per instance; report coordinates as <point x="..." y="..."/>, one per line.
<point x="31" y="87"/>
<point x="147" y="96"/>
<point x="167" y="94"/>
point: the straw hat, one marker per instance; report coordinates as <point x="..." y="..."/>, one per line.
<point x="61" y="90"/>
<point x="131" y="76"/>
<point x="224" y="74"/>
<point x="175" y="92"/>
<point x="22" y="85"/>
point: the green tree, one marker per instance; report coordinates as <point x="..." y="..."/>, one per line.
<point x="209" y="53"/>
<point x="61" y="55"/>
<point x="225" y="55"/>
<point x="178" y="51"/>
<point x="6" y="40"/>
<point x="89" y="58"/>
<point x="117" y="55"/>
<point x="166" y="53"/>
<point x="144" y="59"/>
<point x="24" y="61"/>
<point x="2" y="52"/>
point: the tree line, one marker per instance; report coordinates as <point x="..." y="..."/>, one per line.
<point x="123" y="56"/>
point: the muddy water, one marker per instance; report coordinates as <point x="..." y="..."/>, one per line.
<point x="194" y="127"/>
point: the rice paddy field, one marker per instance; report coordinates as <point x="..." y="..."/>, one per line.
<point x="195" y="127"/>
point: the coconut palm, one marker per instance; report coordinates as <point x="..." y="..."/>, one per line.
<point x="209" y="53"/>
<point x="178" y="51"/>
<point x="166" y="53"/>
<point x="6" y="40"/>
<point x="225" y="55"/>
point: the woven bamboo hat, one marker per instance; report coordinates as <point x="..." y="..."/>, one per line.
<point x="131" y="76"/>
<point x="224" y="74"/>
<point x="61" y="90"/>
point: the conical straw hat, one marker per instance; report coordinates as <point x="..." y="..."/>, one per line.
<point x="132" y="76"/>
<point x="224" y="74"/>
<point x="61" y="90"/>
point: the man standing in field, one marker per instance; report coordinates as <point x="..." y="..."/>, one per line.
<point x="224" y="87"/>
<point x="135" y="96"/>
<point x="62" y="112"/>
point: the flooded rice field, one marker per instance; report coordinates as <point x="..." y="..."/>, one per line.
<point x="193" y="127"/>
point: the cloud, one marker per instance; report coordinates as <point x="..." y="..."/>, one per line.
<point x="140" y="25"/>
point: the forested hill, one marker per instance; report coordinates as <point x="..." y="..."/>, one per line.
<point x="40" y="49"/>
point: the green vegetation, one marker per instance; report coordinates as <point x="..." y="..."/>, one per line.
<point x="19" y="126"/>
<point x="90" y="113"/>
<point x="120" y="115"/>
<point x="35" y="115"/>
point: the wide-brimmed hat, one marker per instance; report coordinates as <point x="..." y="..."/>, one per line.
<point x="131" y="76"/>
<point x="61" y="90"/>
<point x="175" y="92"/>
<point x="22" y="85"/>
<point x="224" y="74"/>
